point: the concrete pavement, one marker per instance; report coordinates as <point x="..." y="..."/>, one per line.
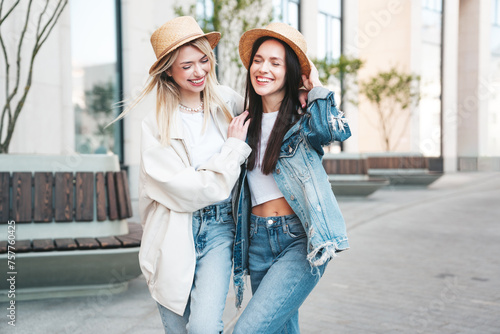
<point x="422" y="260"/>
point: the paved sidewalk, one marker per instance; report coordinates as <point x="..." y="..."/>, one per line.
<point x="421" y="261"/>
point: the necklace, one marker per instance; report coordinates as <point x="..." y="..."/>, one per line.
<point x="192" y="110"/>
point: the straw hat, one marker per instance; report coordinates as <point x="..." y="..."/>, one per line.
<point x="176" y="33"/>
<point x="281" y="31"/>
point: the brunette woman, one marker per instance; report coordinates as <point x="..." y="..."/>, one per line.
<point x="289" y="223"/>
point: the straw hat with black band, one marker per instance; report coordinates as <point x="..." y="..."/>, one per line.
<point x="281" y="31"/>
<point x="174" y="34"/>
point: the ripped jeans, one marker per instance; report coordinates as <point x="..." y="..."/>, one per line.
<point x="213" y="232"/>
<point x="280" y="274"/>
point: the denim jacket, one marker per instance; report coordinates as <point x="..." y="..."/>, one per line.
<point x="304" y="183"/>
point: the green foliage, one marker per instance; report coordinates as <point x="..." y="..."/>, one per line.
<point x="100" y="98"/>
<point x="339" y="68"/>
<point x="392" y="93"/>
<point x="99" y="103"/>
<point x="344" y="68"/>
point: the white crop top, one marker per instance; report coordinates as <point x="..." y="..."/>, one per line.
<point x="263" y="188"/>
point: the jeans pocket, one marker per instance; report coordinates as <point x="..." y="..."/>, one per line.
<point x="295" y="230"/>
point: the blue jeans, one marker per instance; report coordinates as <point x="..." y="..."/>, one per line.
<point x="213" y="232"/>
<point x="281" y="276"/>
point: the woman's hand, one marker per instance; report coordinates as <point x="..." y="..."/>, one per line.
<point x="303" y="97"/>
<point x="313" y="79"/>
<point x="239" y="126"/>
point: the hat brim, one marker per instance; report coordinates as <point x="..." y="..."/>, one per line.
<point x="248" y="39"/>
<point x="213" y="39"/>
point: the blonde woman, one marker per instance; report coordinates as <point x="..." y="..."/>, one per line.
<point x="191" y="153"/>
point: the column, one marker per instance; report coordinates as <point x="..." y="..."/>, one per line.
<point x="449" y="86"/>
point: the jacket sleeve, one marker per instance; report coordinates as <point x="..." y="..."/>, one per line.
<point x="326" y="123"/>
<point x="181" y="188"/>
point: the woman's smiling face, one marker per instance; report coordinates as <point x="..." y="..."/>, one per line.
<point x="268" y="69"/>
<point x="190" y="70"/>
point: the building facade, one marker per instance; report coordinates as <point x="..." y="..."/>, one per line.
<point x="99" y="54"/>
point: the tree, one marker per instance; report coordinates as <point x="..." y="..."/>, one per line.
<point x="99" y="103"/>
<point x="345" y="69"/>
<point x="42" y="21"/>
<point x="392" y="93"/>
<point x="231" y="18"/>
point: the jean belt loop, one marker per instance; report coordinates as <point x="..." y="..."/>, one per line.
<point x="217" y="212"/>
<point x="283" y="223"/>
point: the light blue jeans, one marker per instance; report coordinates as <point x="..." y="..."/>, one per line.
<point x="281" y="276"/>
<point x="213" y="232"/>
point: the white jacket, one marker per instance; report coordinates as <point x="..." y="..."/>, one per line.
<point x="170" y="190"/>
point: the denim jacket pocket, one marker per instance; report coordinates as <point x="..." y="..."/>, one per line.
<point x="290" y="145"/>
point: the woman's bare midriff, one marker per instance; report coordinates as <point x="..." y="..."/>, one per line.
<point x="275" y="207"/>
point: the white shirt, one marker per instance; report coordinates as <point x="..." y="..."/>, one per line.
<point x="202" y="146"/>
<point x="263" y="188"/>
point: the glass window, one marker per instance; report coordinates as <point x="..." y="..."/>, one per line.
<point x="330" y="7"/>
<point x="329" y="29"/>
<point x="287" y="11"/>
<point x="322" y="36"/>
<point x="204" y="13"/>
<point x="493" y="147"/>
<point x="96" y="76"/>
<point x="495" y="12"/>
<point x="430" y="85"/>
<point x="293" y="14"/>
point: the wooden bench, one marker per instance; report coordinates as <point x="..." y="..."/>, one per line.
<point x="72" y="236"/>
<point x="410" y="169"/>
<point x="348" y="176"/>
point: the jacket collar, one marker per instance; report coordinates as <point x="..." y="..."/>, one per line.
<point x="293" y="129"/>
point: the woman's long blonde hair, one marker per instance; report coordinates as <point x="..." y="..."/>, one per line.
<point x="168" y="94"/>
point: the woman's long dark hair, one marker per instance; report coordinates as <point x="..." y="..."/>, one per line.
<point x="287" y="115"/>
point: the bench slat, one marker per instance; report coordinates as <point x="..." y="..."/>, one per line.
<point x="129" y="241"/>
<point x="109" y="242"/>
<point x="43" y="197"/>
<point x="132" y="239"/>
<point x="65" y="244"/>
<point x="404" y="162"/>
<point x="84" y="196"/>
<point x="112" y="205"/>
<point x="128" y="200"/>
<point x="120" y="195"/>
<point x="21" y="190"/>
<point x="100" y="190"/>
<point x="124" y="210"/>
<point x="23" y="246"/>
<point x="345" y="166"/>
<point x="87" y="243"/>
<point x="43" y="245"/>
<point x="64" y="197"/>
<point x="4" y="197"/>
